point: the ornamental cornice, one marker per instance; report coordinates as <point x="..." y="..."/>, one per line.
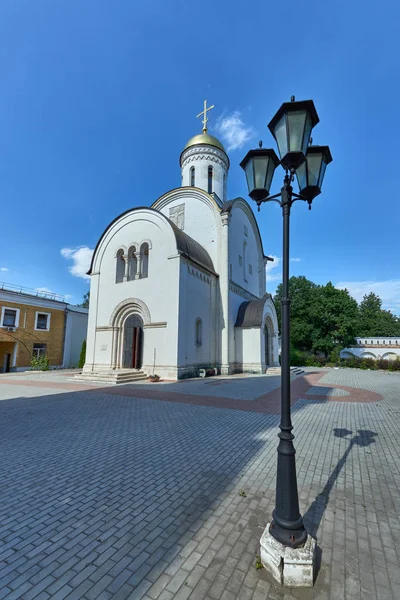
<point x="206" y="152"/>
<point x="239" y="291"/>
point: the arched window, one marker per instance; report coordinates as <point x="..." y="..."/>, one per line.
<point x="132" y="266"/>
<point x="120" y="267"/>
<point x="210" y="179"/>
<point x="245" y="261"/>
<point x="192" y="177"/>
<point x="199" y="332"/>
<point x="144" y="253"/>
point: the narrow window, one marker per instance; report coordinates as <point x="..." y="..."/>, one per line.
<point x="245" y="261"/>
<point x="230" y="271"/>
<point x="120" y="267"/>
<point x="9" y="318"/>
<point x="144" y="252"/>
<point x="250" y="270"/>
<point x="199" y="332"/>
<point x="240" y="260"/>
<point x="192" y="177"/>
<point x="39" y="350"/>
<point x="132" y="266"/>
<point x="210" y="180"/>
<point x="43" y="321"/>
<point x="224" y="186"/>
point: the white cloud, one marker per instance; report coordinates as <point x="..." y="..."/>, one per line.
<point x="4" y="269"/>
<point x="45" y="290"/>
<point x="233" y="131"/>
<point x="272" y="269"/>
<point x="81" y="257"/>
<point x="388" y="291"/>
<point x="295" y="259"/>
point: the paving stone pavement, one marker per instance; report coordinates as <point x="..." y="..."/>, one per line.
<point x="110" y="496"/>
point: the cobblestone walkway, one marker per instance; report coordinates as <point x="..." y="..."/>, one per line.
<point x="107" y="494"/>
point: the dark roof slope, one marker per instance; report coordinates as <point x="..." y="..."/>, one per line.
<point x="191" y="249"/>
<point x="250" y="313"/>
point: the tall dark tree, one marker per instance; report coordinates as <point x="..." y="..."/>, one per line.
<point x="85" y="300"/>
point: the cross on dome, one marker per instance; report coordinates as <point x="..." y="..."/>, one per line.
<point x="204" y="115"/>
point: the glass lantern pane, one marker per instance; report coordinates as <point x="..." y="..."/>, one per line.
<point x="249" y="174"/>
<point x="301" y="174"/>
<point x="296" y="124"/>
<point x="281" y="137"/>
<point x="307" y="134"/>
<point x="260" y="171"/>
<point x="313" y="166"/>
<point x="321" y="174"/>
<point x="270" y="174"/>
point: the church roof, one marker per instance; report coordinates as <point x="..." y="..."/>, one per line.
<point x="250" y="313"/>
<point x="191" y="249"/>
<point x="204" y="138"/>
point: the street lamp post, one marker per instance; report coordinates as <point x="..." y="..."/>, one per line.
<point x="287" y="551"/>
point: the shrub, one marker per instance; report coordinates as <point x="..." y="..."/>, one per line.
<point x="82" y="357"/>
<point x="40" y="363"/>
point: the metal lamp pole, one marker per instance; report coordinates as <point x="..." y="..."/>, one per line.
<point x="291" y="127"/>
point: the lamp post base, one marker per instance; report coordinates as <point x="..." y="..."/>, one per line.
<point x="292" y="567"/>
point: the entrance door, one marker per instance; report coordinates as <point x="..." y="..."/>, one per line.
<point x="266" y="338"/>
<point x="7" y="363"/>
<point x="133" y="342"/>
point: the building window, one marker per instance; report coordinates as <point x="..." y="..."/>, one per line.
<point x="192" y="176"/>
<point x="120" y="267"/>
<point x="132" y="263"/>
<point x="245" y="261"/>
<point x="230" y="271"/>
<point x="250" y="270"/>
<point x="9" y="317"/>
<point x="42" y="321"/>
<point x="199" y="332"/>
<point x="144" y="252"/>
<point x="210" y="180"/>
<point x="245" y="230"/>
<point x="240" y="260"/>
<point x="39" y="350"/>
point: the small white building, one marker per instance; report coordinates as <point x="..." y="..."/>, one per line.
<point x="181" y="285"/>
<point x="374" y="347"/>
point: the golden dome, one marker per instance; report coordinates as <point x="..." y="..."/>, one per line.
<point x="204" y="138"/>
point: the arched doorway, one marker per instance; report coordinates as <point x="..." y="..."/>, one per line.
<point x="268" y="340"/>
<point x="133" y="343"/>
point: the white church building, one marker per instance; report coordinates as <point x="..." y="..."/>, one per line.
<point x="180" y="285"/>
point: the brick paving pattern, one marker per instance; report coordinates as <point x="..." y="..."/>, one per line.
<point x="111" y="493"/>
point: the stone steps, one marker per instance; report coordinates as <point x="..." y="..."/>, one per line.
<point x="115" y="376"/>
<point x="294" y="371"/>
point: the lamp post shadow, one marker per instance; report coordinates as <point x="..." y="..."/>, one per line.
<point x="314" y="514"/>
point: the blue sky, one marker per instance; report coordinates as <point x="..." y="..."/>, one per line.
<point x="98" y="99"/>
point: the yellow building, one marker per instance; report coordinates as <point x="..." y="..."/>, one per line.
<point x="34" y="323"/>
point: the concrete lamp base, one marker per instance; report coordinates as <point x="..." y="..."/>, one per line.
<point x="293" y="567"/>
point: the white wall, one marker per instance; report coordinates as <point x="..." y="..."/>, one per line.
<point x="159" y="292"/>
<point x="202" y="218"/>
<point x="75" y="332"/>
<point x="241" y="231"/>
<point x="388" y="352"/>
<point x="197" y="300"/>
<point x="201" y="158"/>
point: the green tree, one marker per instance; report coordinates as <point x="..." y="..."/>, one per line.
<point x="335" y="319"/>
<point x="85" y="300"/>
<point x="302" y="294"/>
<point x="374" y="320"/>
<point x="323" y="318"/>
<point x="82" y="357"/>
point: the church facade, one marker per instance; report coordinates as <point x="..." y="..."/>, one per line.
<point x="180" y="286"/>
